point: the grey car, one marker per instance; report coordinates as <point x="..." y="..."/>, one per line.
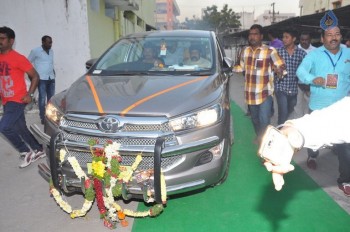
<point x="161" y="93"/>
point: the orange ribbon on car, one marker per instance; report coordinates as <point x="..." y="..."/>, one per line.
<point x="94" y="94"/>
<point x="126" y="110"/>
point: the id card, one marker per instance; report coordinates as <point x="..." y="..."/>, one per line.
<point x="331" y="81"/>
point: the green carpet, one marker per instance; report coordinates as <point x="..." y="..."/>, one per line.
<point x="247" y="200"/>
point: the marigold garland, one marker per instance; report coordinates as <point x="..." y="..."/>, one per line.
<point x="107" y="177"/>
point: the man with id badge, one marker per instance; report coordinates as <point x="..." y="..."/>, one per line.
<point x="327" y="70"/>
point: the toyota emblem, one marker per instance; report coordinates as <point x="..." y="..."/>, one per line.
<point x="109" y="124"/>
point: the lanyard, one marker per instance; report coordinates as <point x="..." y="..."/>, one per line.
<point x="334" y="64"/>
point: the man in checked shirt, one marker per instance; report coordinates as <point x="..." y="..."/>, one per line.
<point x="257" y="61"/>
<point x="286" y="86"/>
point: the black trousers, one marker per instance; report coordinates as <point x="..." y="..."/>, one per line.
<point x="343" y="153"/>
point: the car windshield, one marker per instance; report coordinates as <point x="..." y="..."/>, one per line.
<point x="161" y="55"/>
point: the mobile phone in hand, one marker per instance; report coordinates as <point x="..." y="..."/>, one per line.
<point x="275" y="147"/>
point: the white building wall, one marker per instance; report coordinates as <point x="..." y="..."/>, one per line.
<point x="147" y="11"/>
<point x="313" y="6"/>
<point x="65" y="21"/>
<point x="246" y="19"/>
<point x="99" y="24"/>
<point x="266" y="18"/>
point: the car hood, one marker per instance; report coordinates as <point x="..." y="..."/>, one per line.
<point x="141" y="95"/>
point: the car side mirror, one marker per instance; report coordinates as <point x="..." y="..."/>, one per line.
<point x="89" y="63"/>
<point x="227" y="64"/>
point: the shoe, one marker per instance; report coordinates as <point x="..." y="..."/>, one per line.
<point x="311" y="163"/>
<point x="26" y="160"/>
<point x="22" y="155"/>
<point x="31" y="157"/>
<point x="345" y="187"/>
<point x="38" y="155"/>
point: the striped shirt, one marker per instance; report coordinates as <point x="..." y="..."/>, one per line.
<point x="289" y="83"/>
<point x="257" y="65"/>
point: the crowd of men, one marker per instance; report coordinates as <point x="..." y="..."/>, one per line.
<point x="320" y="75"/>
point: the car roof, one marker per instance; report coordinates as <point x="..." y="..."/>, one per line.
<point x="176" y="33"/>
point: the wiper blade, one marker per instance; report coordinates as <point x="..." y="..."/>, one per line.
<point x="145" y="73"/>
<point x="123" y="73"/>
<point x="127" y="73"/>
<point x="200" y="73"/>
<point x="114" y="73"/>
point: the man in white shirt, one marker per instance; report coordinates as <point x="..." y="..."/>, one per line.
<point x="305" y="42"/>
<point x="173" y="53"/>
<point x="42" y="59"/>
<point x="325" y="127"/>
<point x="304" y="90"/>
<point x="196" y="59"/>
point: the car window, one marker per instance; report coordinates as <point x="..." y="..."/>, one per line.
<point x="175" y="55"/>
<point x="135" y="52"/>
<point x="115" y="55"/>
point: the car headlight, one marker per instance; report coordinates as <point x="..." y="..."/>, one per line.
<point x="198" y="119"/>
<point x="53" y="113"/>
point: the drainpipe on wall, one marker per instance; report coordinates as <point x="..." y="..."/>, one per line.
<point x="117" y="24"/>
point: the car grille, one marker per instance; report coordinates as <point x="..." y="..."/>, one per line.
<point x="127" y="160"/>
<point x="125" y="141"/>
<point x="164" y="127"/>
<point x="82" y="128"/>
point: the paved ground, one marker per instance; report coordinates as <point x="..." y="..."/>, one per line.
<point x="26" y="205"/>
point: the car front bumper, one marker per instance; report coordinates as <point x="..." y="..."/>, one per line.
<point x="188" y="174"/>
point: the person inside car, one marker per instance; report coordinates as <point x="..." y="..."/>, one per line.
<point x="149" y="56"/>
<point x="174" y="53"/>
<point x="196" y="59"/>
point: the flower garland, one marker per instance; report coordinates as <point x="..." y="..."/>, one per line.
<point x="104" y="184"/>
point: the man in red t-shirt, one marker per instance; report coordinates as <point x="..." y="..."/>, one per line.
<point x="15" y="97"/>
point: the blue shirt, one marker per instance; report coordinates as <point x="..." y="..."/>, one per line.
<point x="318" y="64"/>
<point x="289" y="83"/>
<point x="43" y="63"/>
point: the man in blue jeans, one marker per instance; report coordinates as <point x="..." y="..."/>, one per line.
<point x="15" y="97"/>
<point x="42" y="59"/>
<point x="286" y="86"/>
<point x="257" y="61"/>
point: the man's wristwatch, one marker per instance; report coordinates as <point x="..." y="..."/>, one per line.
<point x="31" y="95"/>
